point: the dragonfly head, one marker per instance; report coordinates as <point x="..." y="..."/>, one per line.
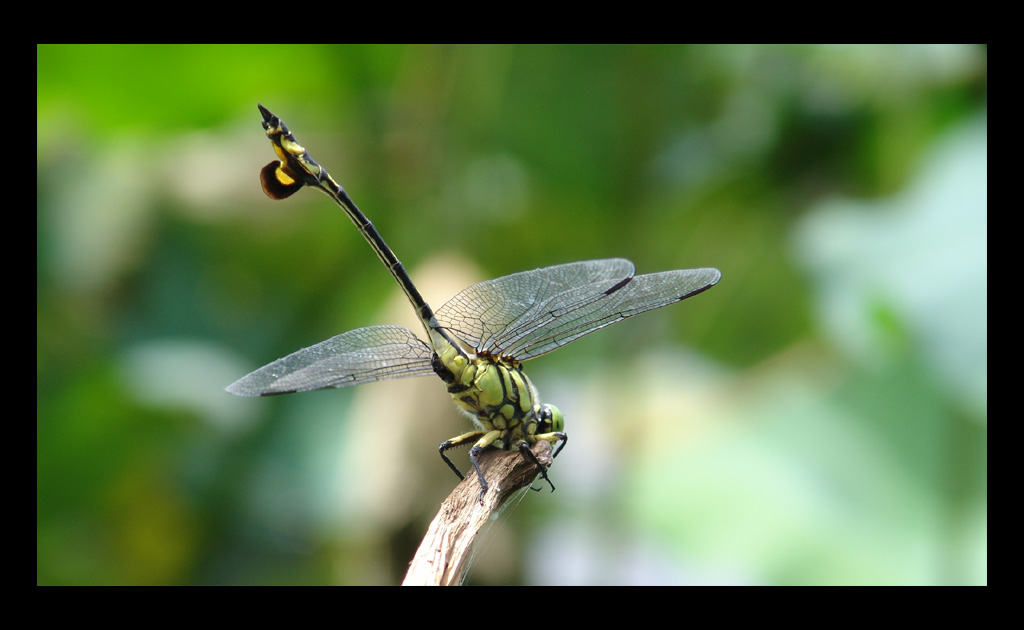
<point x="551" y="419"/>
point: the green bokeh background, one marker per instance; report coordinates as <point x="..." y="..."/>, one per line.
<point x="819" y="417"/>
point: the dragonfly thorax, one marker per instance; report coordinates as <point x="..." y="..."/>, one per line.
<point x="495" y="393"/>
<point x="492" y="390"/>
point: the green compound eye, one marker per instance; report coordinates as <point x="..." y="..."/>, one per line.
<point x="551" y="419"/>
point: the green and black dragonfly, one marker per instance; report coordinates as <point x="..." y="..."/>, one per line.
<point x="477" y="341"/>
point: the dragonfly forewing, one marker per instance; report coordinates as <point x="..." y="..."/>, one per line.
<point x="364" y="355"/>
<point x="534" y="312"/>
<point x="587" y="314"/>
<point x="493" y="313"/>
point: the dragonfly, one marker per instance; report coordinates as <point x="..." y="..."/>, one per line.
<point x="477" y="341"/>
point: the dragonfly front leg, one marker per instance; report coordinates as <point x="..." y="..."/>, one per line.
<point x="524" y="448"/>
<point x="552" y="438"/>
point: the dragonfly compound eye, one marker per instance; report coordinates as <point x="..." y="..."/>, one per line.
<point x="551" y="419"/>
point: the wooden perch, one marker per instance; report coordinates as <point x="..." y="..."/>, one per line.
<point x="446" y="547"/>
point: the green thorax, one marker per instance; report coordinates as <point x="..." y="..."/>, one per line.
<point x="493" y="391"/>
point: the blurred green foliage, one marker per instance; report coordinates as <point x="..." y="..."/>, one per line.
<point x="819" y="417"/>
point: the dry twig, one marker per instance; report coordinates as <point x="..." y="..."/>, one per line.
<point x="446" y="547"/>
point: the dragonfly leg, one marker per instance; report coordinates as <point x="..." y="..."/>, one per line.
<point x="473" y="453"/>
<point x="554" y="437"/>
<point x="461" y="440"/>
<point x="524" y="448"/>
<point x="481" y="444"/>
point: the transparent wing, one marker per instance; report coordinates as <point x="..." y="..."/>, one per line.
<point x="363" y="355"/>
<point x="528" y="314"/>
<point x="493" y="313"/>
